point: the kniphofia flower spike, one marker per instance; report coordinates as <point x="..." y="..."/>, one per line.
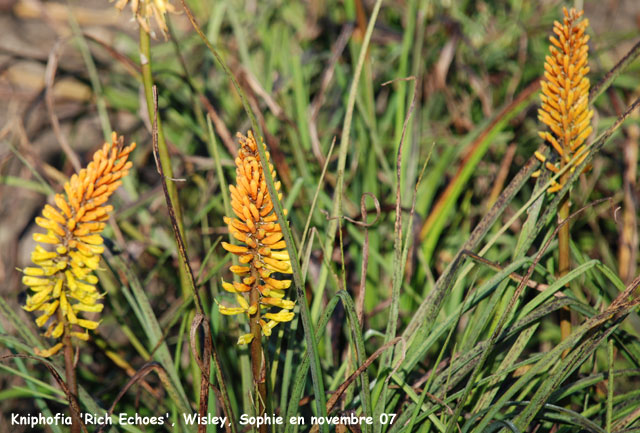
<point x="565" y="94"/>
<point x="62" y="279"/>
<point x="261" y="250"/>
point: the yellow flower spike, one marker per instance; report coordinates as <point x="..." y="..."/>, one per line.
<point x="565" y="92"/>
<point x="62" y="280"/>
<point x="261" y="250"/>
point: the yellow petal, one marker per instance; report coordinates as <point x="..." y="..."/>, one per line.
<point x="236" y="249"/>
<point x="96" y="308"/>
<point x="243" y="302"/>
<point x="48" y="238"/>
<point x="277" y="302"/>
<point x="49" y="352"/>
<point x="41" y="320"/>
<point x="88" y="324"/>
<point x="245" y="339"/>
<point x="84" y="336"/>
<point x="239" y="269"/>
<point x="280" y="255"/>
<point x="278" y="284"/>
<point x="57" y="331"/>
<point x="281" y="316"/>
<point x="34" y="281"/>
<point x="228" y="287"/>
<point x="267" y="327"/>
<point x="230" y="311"/>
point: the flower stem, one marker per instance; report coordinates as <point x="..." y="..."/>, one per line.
<point x="564" y="238"/>
<point x="165" y="159"/>
<point x="256" y="351"/>
<point x="70" y="370"/>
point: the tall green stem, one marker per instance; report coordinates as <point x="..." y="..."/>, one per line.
<point x="165" y="160"/>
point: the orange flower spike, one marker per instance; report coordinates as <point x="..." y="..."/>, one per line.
<point x="62" y="279"/>
<point x="261" y="252"/>
<point x="565" y="92"/>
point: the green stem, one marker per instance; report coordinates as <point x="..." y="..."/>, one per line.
<point x="165" y="160"/>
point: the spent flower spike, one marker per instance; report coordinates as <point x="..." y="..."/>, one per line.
<point x="62" y="280"/>
<point x="565" y="94"/>
<point x="261" y="250"/>
<point x="143" y="10"/>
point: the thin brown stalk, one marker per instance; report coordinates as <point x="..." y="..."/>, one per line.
<point x="564" y="239"/>
<point x="627" y="251"/>
<point x="70" y="370"/>
<point x="255" y="350"/>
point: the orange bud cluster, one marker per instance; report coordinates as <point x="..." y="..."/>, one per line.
<point x="565" y="93"/>
<point x="261" y="250"/>
<point x="62" y="280"/>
